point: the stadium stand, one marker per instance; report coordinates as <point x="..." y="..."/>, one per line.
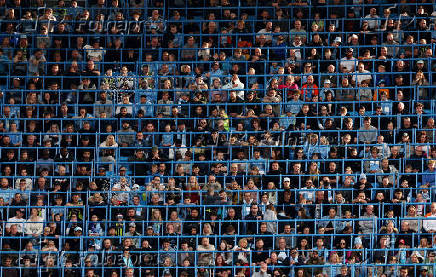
<point x="262" y="138"/>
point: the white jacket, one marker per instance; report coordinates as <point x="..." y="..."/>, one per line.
<point x="236" y="85"/>
<point x="34" y="227"/>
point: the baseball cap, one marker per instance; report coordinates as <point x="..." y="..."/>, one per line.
<point x="338" y="39"/>
<point x="357" y="240"/>
<point x="362" y="176"/>
<point x="420" y="61"/>
<point x="286" y="179"/>
<point x="327" y="81"/>
<point x="402" y="241"/>
<point x="77" y="229"/>
<point x="132" y="225"/>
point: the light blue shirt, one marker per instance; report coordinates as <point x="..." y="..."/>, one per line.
<point x="260" y="163"/>
<point x="16" y="139"/>
<point x="294" y="106"/>
<point x="215" y="74"/>
<point x="167" y="139"/>
<point x="310" y="149"/>
<point x="6" y="194"/>
<point x="286" y="120"/>
<point x="148" y="108"/>
<point x="374" y="165"/>
<point x="386" y="107"/>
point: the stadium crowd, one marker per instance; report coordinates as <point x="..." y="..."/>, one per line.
<point x="217" y="138"/>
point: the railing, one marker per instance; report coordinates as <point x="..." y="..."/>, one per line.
<point x="66" y="226"/>
<point x="357" y="269"/>
<point x="60" y="218"/>
<point x="368" y="255"/>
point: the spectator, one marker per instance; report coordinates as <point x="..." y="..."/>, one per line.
<point x="349" y="62"/>
<point x="429" y="224"/>
<point x="368" y="133"/>
<point x="34" y="225"/>
<point x="429" y="175"/>
<point x="209" y="115"/>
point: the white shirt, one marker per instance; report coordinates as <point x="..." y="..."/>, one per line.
<point x="94" y="54"/>
<point x="29" y="183"/>
<point x="122" y="194"/>
<point x="349" y="64"/>
<point x="172" y="151"/>
<point x="373" y="21"/>
<point x="429" y="224"/>
<point x="358" y="77"/>
<point x="18" y="221"/>
<point x="34" y="227"/>
<point x="237" y="86"/>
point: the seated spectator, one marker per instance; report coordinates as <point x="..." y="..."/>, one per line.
<point x="34" y="225"/>
<point x="205" y="258"/>
<point x="429" y="224"/>
<point x="429" y="175"/>
<point x="368" y="133"/>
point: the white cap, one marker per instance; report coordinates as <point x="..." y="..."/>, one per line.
<point x="357" y="240"/>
